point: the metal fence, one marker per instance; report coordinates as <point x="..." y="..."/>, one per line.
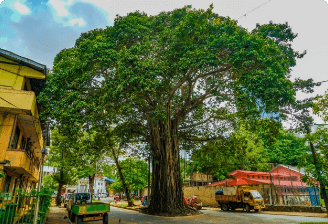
<point x="20" y="208"/>
<point x="287" y="195"/>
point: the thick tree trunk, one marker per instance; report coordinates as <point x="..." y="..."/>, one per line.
<point x="58" y="198"/>
<point x="126" y="190"/>
<point x="166" y="190"/>
<point x="322" y="185"/>
<point x="60" y="187"/>
<point x="91" y="184"/>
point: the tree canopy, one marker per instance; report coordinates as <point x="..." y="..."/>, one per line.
<point x="135" y="172"/>
<point x="287" y="149"/>
<point x="176" y="77"/>
<point x="242" y="150"/>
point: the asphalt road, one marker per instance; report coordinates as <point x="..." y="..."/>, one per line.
<point x="119" y="215"/>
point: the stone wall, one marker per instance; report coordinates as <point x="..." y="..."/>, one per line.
<point x="204" y="194"/>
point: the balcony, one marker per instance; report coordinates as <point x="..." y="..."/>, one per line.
<point x="18" y="101"/>
<point x="20" y="163"/>
<point x="24" y="104"/>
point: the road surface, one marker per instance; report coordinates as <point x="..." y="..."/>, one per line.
<point x="210" y="215"/>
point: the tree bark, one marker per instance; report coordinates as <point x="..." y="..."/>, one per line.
<point x="60" y="187"/>
<point x="126" y="190"/>
<point x="91" y="184"/>
<point x="166" y="190"/>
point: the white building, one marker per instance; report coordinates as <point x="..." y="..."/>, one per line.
<point x="49" y="170"/>
<point x="99" y="185"/>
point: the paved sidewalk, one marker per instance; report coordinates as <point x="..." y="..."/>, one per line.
<point x="57" y="215"/>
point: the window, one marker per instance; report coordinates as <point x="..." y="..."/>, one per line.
<point x="15" y="139"/>
<point x="7" y="183"/>
<point x="23" y="143"/>
<point x="247" y="176"/>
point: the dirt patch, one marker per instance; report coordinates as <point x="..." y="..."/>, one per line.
<point x="172" y="213"/>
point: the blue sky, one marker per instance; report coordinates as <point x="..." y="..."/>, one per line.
<point x="39" y="29"/>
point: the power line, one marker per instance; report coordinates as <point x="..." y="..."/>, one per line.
<point x="254" y="9"/>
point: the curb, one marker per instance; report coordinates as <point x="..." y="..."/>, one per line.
<point x="128" y="208"/>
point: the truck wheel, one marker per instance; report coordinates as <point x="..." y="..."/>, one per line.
<point x="79" y="219"/>
<point x="233" y="208"/>
<point x="248" y="208"/>
<point x="224" y="207"/>
<point x="105" y="218"/>
<point x="256" y="210"/>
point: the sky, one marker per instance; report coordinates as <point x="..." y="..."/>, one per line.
<point x="39" y="29"/>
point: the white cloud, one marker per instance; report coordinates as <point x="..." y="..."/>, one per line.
<point x="78" y="22"/>
<point x="60" y="6"/>
<point x="22" y="9"/>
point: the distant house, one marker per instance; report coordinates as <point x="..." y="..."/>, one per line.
<point x="99" y="185"/>
<point x="282" y="185"/>
<point x="279" y="176"/>
<point x="49" y="170"/>
<point x="200" y="179"/>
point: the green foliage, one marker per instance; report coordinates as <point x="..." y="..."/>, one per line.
<point x="135" y="172"/>
<point x="62" y="156"/>
<point x="177" y="59"/>
<point x="242" y="150"/>
<point x="50" y="182"/>
<point x="287" y="149"/>
<point x="319" y="171"/>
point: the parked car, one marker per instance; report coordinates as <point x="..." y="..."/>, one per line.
<point x="66" y="199"/>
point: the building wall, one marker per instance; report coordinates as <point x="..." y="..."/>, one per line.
<point x="19" y="118"/>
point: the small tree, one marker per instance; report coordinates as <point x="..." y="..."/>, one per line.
<point x="63" y="157"/>
<point x="242" y="150"/>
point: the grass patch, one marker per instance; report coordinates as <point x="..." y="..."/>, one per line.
<point x="123" y="206"/>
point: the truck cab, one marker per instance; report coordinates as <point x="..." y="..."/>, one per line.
<point x="252" y="198"/>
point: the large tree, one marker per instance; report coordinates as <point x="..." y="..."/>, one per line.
<point x="171" y="78"/>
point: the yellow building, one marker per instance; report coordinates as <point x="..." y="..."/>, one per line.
<point x="21" y="141"/>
